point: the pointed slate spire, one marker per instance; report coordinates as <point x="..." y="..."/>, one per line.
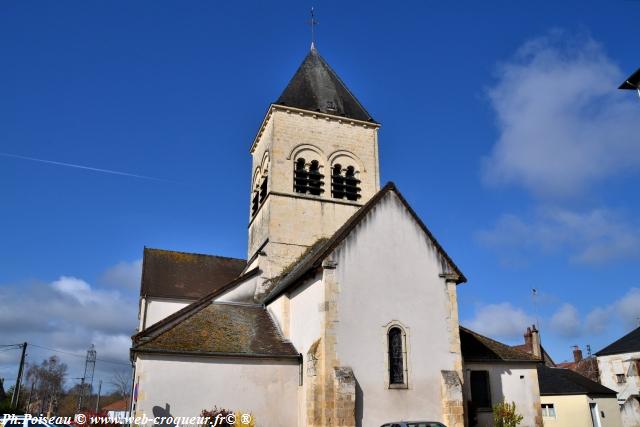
<point x="316" y="87"/>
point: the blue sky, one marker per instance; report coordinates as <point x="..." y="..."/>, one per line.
<point x="502" y="126"/>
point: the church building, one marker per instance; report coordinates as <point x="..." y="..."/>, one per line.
<point x="344" y="312"/>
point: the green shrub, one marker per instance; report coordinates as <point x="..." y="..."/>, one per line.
<point x="505" y="415"/>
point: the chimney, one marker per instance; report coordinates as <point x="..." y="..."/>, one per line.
<point x="527" y="340"/>
<point x="577" y="354"/>
<point x="536" y="349"/>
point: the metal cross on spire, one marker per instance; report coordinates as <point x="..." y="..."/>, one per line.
<point x="313" y="22"/>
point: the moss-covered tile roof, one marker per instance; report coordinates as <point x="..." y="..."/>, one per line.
<point x="478" y="348"/>
<point x="219" y="328"/>
<point x="172" y="274"/>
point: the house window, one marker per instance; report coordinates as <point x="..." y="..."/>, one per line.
<point x="307" y="179"/>
<point x="480" y="390"/>
<point x="397" y="358"/>
<point x="621" y="378"/>
<point x="344" y="183"/>
<point x="548" y="410"/>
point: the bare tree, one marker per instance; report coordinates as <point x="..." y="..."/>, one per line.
<point x="121" y="380"/>
<point x="48" y="381"/>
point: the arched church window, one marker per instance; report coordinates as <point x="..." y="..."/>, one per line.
<point x="307" y="178"/>
<point x="337" y="182"/>
<point x="344" y="183"/>
<point x="351" y="184"/>
<point x="315" y="179"/>
<point x="259" y="194"/>
<point x="263" y="189"/>
<point x="397" y="352"/>
<point x="255" y="202"/>
<point x="300" y="176"/>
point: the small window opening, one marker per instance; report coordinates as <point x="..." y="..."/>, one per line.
<point x="351" y="184"/>
<point x="255" y="203"/>
<point x="337" y="182"/>
<point x="315" y="179"/>
<point x="263" y="189"/>
<point x="300" y="176"/>
<point x="480" y="391"/>
<point x="548" y="410"/>
<point x="621" y="378"/>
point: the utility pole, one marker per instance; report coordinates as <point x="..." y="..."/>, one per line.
<point x="16" y="390"/>
<point x="98" y="398"/>
<point x="89" y="367"/>
<point x="80" y="394"/>
<point x="33" y="385"/>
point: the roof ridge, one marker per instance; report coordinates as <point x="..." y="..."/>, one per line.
<point x="193" y="253"/>
<point x="610" y="349"/>
<point x="344" y="230"/>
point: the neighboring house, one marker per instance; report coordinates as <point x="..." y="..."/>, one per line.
<point x="572" y="400"/>
<point x="117" y="410"/>
<point x="619" y="366"/>
<point x="496" y="373"/>
<point x="587" y="366"/>
<point x="346" y="312"/>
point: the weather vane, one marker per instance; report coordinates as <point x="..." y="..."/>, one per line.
<point x="313" y="22"/>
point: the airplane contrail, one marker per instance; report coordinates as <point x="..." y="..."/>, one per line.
<point x="72" y="165"/>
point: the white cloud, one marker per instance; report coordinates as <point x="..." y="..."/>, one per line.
<point x="124" y="274"/>
<point x="597" y="320"/>
<point x="500" y="321"/>
<point x="628" y="308"/>
<point x="591" y="237"/>
<point x="562" y="123"/>
<point x="68" y="314"/>
<point x="566" y="321"/>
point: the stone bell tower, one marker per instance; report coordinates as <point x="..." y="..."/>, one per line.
<point x="315" y="163"/>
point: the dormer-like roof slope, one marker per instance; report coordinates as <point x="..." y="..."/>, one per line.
<point x="222" y="329"/>
<point x="629" y="343"/>
<point x="561" y="381"/>
<point x="316" y="87"/>
<point x="314" y="256"/>
<point x="478" y="348"/>
<point x="181" y="275"/>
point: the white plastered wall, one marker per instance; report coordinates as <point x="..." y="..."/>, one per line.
<point x="300" y="317"/>
<point x="610" y="366"/>
<point x="388" y="271"/>
<point x="266" y="388"/>
<point x="509" y="382"/>
<point x="159" y="308"/>
<point x="573" y="411"/>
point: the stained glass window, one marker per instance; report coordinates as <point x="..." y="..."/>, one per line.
<point x="396" y="356"/>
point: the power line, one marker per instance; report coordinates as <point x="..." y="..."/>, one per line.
<point x="83" y="356"/>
